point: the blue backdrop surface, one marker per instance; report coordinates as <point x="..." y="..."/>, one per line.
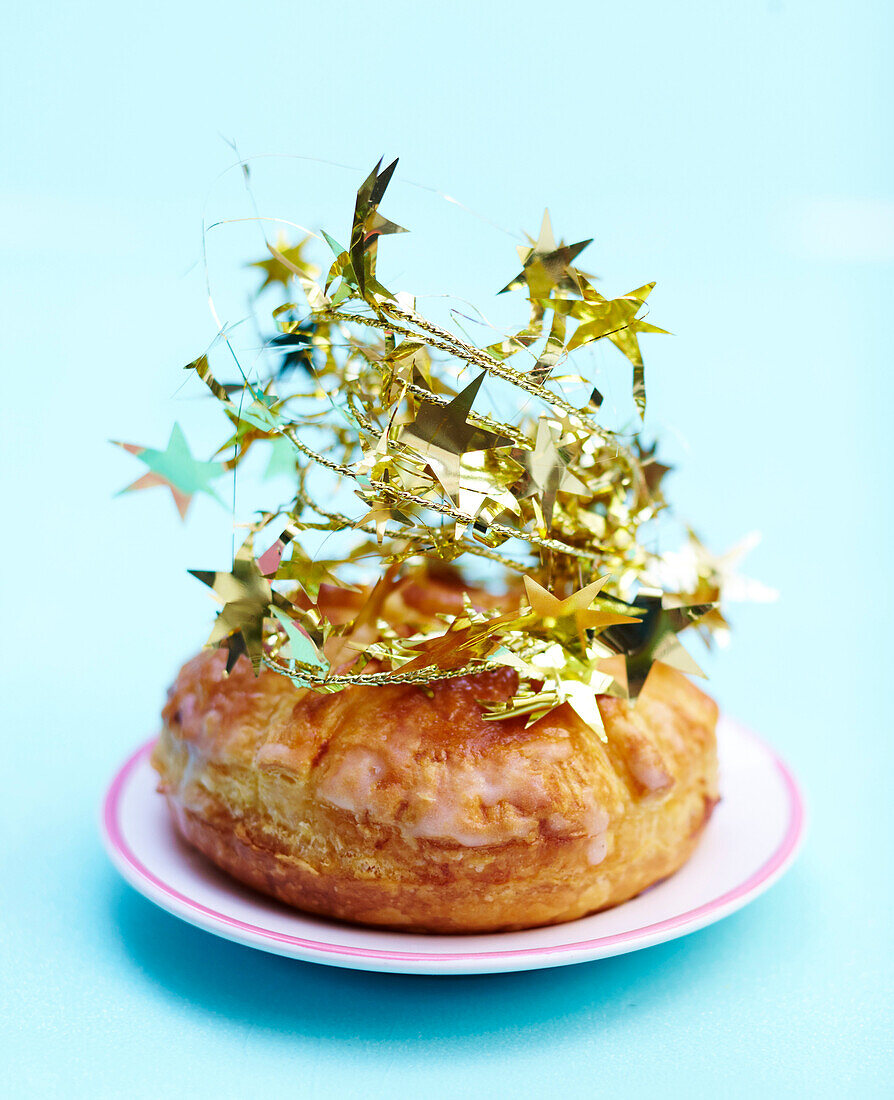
<point x="738" y="154"/>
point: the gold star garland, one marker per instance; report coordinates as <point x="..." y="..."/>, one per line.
<point x="554" y="499"/>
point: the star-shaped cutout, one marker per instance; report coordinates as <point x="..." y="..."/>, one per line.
<point x="257" y="421"/>
<point x="485" y="480"/>
<point x="547" y="266"/>
<point x="379" y="515"/>
<point x="369" y="224"/>
<point x="616" y="318"/>
<point x="653" y="471"/>
<point x="547" y="467"/>
<point x="299" y="644"/>
<point x="693" y="573"/>
<point x="278" y="272"/>
<point x="443" y="435"/>
<point x="297" y="348"/>
<point x="411" y="362"/>
<point x="654" y="638"/>
<point x="246" y="597"/>
<point x="356" y="265"/>
<point x="460" y="643"/>
<point x="176" y="469"/>
<point x="566" y="677"/>
<point x="452" y="649"/>
<point x="552" y="352"/>
<point x="576" y="608"/>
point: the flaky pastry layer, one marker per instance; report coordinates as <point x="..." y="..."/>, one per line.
<point x="404" y="808"/>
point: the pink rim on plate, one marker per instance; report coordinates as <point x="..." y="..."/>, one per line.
<point x="433" y="961"/>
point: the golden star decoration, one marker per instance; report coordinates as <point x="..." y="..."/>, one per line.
<point x="442" y="436"/>
<point x="562" y="499"/>
<point x="616" y="319"/>
<point x="577" y="607"/>
<point x="462" y="641"/>
<point x="547" y="467"/>
<point x="654" y="638"/>
<point x="285" y="261"/>
<point x="546" y="265"/>
<point x="246" y="597"/>
<point x="356" y="265"/>
<point x="254" y="423"/>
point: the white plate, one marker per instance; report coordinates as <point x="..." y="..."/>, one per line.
<point x="751" y="840"/>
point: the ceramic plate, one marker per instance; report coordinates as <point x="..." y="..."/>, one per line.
<point x="751" y="840"/>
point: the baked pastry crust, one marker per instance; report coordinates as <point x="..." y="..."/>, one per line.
<point x="402" y="807"/>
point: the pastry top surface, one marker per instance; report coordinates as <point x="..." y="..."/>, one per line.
<point x="427" y="763"/>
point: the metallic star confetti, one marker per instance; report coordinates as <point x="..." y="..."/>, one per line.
<point x="285" y="262"/>
<point x="176" y="469"/>
<point x="369" y="401"/>
<point x="246" y="596"/>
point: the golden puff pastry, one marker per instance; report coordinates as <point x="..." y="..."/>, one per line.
<point x="404" y="808"/>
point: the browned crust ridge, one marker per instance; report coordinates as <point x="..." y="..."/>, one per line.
<point x="403" y="808"/>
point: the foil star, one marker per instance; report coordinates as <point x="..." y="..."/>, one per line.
<point x="356" y="265"/>
<point x="578" y="608"/>
<point x="299" y="645"/>
<point x="254" y="423"/>
<point x="653" y="471"/>
<point x="285" y="260"/>
<point x="694" y="573"/>
<point x="175" y="469"/>
<point x="547" y="467"/>
<point x="296" y="347"/>
<point x="456" y="646"/>
<point x="552" y="352"/>
<point x="369" y="224"/>
<point x="246" y="596"/>
<point x="654" y="638"/>
<point x="379" y="515"/>
<point x="547" y="265"/>
<point x="443" y="435"/>
<point x="616" y="318"/>
<point x="485" y="479"/>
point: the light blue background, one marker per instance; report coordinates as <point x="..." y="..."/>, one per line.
<point x="738" y="154"/>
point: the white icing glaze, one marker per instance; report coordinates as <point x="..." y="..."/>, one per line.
<point x="596" y="850"/>
<point x="652" y="775"/>
<point x="444" y="821"/>
<point x="471" y="802"/>
<point x="550" y="751"/>
<point x="558" y="823"/>
<point x="350" y="785"/>
<point x="275" y="755"/>
<point x="595" y="819"/>
<point x="455" y="811"/>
